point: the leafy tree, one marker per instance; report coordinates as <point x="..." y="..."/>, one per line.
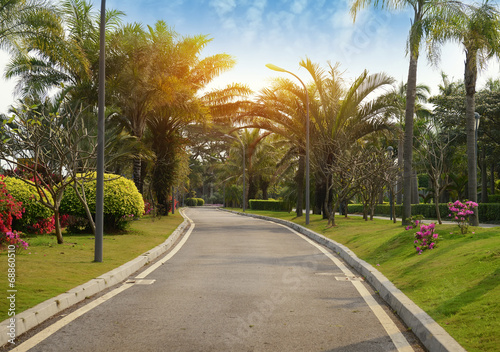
<point x="425" y="14"/>
<point x="479" y="33"/>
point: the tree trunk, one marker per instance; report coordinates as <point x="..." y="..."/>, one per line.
<point x="470" y="77"/>
<point x="484" y="177"/>
<point x="320" y="194"/>
<point x="299" y="179"/>
<point x="58" y="225"/>
<point x="492" y="177"/>
<point x="415" y="199"/>
<point x="411" y="90"/>
<point x="138" y="175"/>
<point x="252" y="188"/>
<point x="399" y="184"/>
<point x="436" y="200"/>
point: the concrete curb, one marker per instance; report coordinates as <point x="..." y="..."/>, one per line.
<point x="430" y="333"/>
<point x="32" y="317"/>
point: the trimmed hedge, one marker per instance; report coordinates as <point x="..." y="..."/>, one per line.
<point x="494" y="198"/>
<point x="34" y="211"/>
<point x="122" y="201"/>
<point x="488" y="212"/>
<point x="269" y="205"/>
<point x="193" y="202"/>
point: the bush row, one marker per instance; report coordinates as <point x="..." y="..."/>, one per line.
<point x="488" y="212"/>
<point x="494" y="198"/>
<point x="193" y="202"/>
<point x="122" y="202"/>
<point x="270" y="205"/>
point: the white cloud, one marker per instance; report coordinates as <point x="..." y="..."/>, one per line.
<point x="223" y="7"/>
<point x="298" y="6"/>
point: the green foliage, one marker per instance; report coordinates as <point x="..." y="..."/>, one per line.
<point x="494" y="198"/>
<point x="193" y="202"/>
<point x="272" y="205"/>
<point x="122" y="201"/>
<point x="488" y="212"/>
<point x="33" y="209"/>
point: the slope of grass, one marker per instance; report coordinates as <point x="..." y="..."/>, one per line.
<point x="47" y="269"/>
<point x="457" y="283"/>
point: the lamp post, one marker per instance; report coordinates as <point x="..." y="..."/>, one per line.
<point x="390" y="150"/>
<point x="279" y="69"/>
<point x="244" y="167"/>
<point x="99" y="211"/>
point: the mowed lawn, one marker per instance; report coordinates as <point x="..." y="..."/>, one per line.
<point x="47" y="269"/>
<point x="456" y="283"/>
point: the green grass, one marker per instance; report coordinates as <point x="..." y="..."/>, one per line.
<point x="47" y="269"/>
<point x="457" y="283"/>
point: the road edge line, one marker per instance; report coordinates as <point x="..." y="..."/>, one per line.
<point x="434" y="337"/>
<point x="32" y="317"/>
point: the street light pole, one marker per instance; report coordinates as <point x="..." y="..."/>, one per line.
<point x="279" y="69"/>
<point x="99" y="211"/>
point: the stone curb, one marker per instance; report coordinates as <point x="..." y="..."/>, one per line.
<point x="32" y="317"/>
<point x="430" y="333"/>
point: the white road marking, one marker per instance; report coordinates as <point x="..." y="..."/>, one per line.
<point x="392" y="330"/>
<point x="42" y="335"/>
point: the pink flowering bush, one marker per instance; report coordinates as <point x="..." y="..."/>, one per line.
<point x="460" y="212"/>
<point x="425" y="238"/>
<point x="14" y="238"/>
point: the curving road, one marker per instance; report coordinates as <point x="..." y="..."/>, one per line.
<point x="236" y="284"/>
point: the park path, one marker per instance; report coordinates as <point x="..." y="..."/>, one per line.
<point x="236" y="284"/>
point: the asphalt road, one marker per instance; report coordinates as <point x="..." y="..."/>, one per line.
<point x="236" y="284"/>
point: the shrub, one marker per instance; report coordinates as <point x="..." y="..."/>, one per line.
<point x="37" y="218"/>
<point x="494" y="198"/>
<point x="270" y="205"/>
<point x="10" y="208"/>
<point x="193" y="202"/>
<point x="426" y="238"/>
<point x="460" y="213"/>
<point x="121" y="199"/>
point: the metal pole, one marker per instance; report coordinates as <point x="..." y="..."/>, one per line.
<point x="244" y="175"/>
<point x="99" y="225"/>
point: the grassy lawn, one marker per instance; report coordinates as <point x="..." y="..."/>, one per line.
<point x="47" y="269"/>
<point x="457" y="283"/>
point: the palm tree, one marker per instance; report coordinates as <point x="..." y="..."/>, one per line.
<point x="281" y="109"/>
<point x="26" y="20"/>
<point x="396" y="101"/>
<point x="479" y="33"/>
<point x="425" y="13"/>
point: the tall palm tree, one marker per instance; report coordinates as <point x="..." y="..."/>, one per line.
<point x="68" y="58"/>
<point x="336" y="112"/>
<point x="26" y="19"/>
<point x="396" y="101"/>
<point x="425" y="13"/>
<point x="479" y="33"/>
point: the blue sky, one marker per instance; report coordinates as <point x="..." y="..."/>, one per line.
<point x="283" y="32"/>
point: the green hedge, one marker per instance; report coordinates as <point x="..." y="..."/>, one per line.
<point x="270" y="205"/>
<point x="33" y="209"/>
<point x="488" y="212"/>
<point x="494" y="198"/>
<point x="193" y="202"/>
<point x="122" y="201"/>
